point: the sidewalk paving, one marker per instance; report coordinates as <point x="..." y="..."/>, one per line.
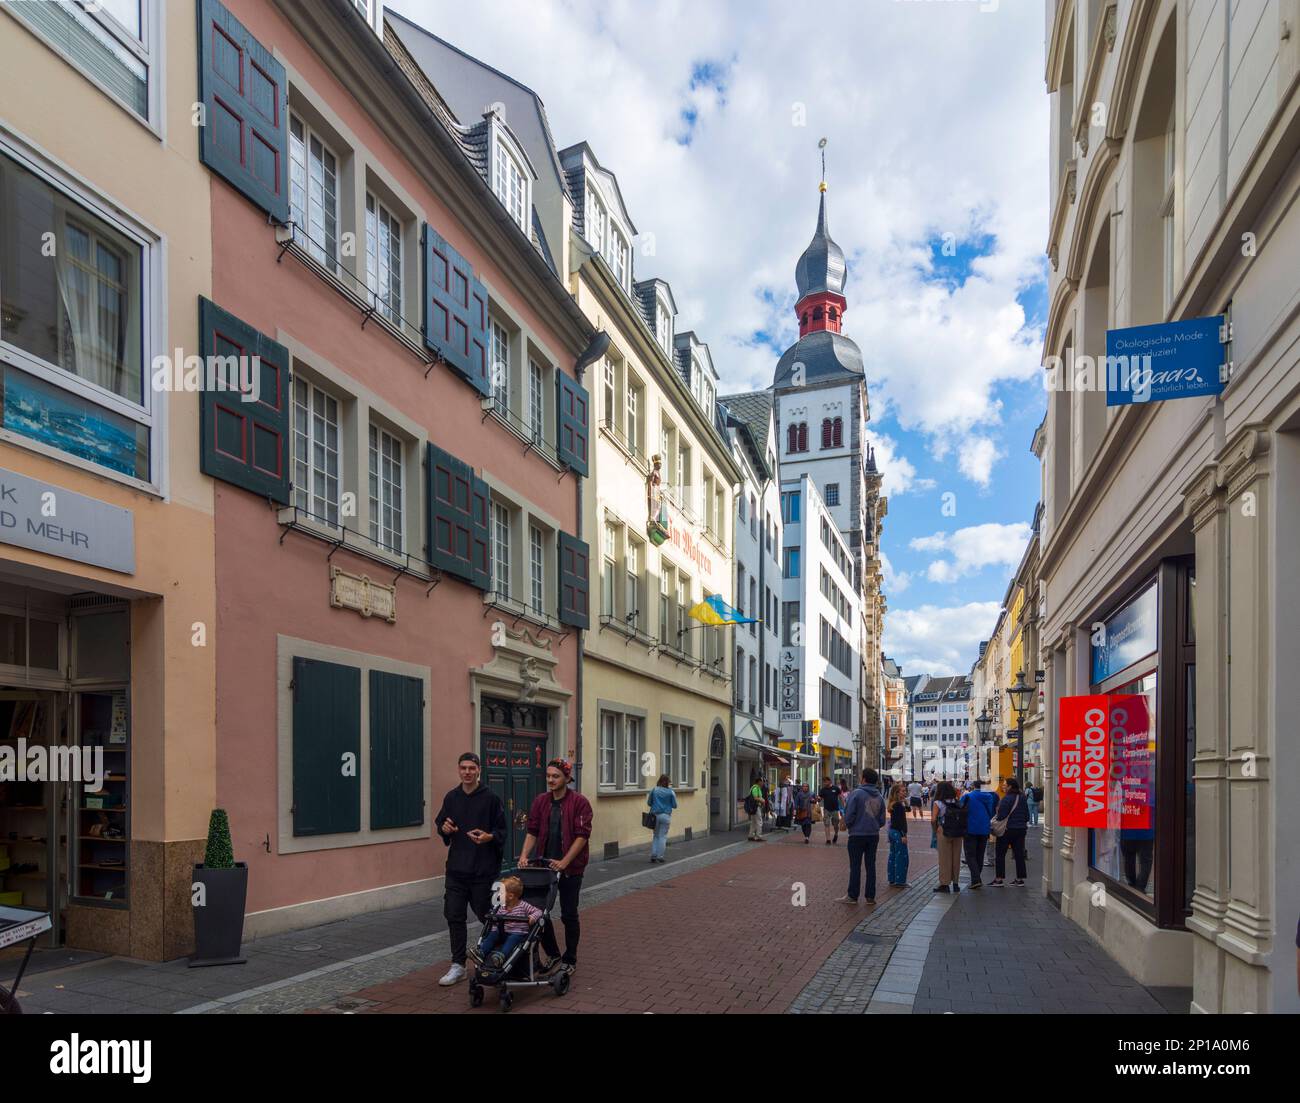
<point x="68" y="981"/>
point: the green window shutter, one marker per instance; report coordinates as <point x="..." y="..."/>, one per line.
<point x="458" y="519"/>
<point x="571" y="430"/>
<point x="244" y="443"/>
<point x="326" y="727"/>
<point x="245" y="136"/>
<point x="396" y="750"/>
<point x="455" y="310"/>
<point x="575" y="560"/>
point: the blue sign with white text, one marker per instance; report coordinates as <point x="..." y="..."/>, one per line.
<point x="1169" y="360"/>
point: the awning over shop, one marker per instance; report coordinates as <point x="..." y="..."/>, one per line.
<point x="783" y="754"/>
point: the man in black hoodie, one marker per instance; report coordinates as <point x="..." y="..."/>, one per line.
<point x="472" y="824"/>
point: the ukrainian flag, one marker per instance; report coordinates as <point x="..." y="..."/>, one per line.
<point x="714" y="611"/>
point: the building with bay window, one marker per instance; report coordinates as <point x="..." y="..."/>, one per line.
<point x="1168" y="531"/>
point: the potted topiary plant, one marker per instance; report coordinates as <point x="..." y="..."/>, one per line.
<point x="217" y="895"/>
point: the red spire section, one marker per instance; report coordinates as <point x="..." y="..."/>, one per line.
<point x="820" y="310"/>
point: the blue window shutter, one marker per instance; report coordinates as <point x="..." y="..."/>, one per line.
<point x="244" y="443"/>
<point x="326" y="726"/>
<point x="572" y="431"/>
<point x="575" y="571"/>
<point x="455" y="311"/>
<point x="458" y="519"/>
<point x="396" y="750"/>
<point x="245" y="136"/>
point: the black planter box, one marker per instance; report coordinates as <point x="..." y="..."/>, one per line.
<point x="219" y="924"/>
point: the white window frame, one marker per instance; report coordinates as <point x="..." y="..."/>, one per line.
<point x="145" y="48"/>
<point x="633" y="559"/>
<point x="609" y="570"/>
<point x="632" y="414"/>
<point x="499" y="359"/>
<point x="381" y="222"/>
<point x="330" y="518"/>
<point x="597" y="221"/>
<point x="537" y="569"/>
<point x="318" y="251"/>
<point x="536" y="400"/>
<point x="510" y="180"/>
<point x="633" y="745"/>
<point x="663" y="326"/>
<point x="502" y="522"/>
<point x="609" y="726"/>
<point x="149" y="412"/>
<point x="385" y="536"/>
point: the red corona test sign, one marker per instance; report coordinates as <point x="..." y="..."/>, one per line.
<point x="1105" y="761"/>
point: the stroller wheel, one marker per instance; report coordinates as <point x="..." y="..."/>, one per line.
<point x="561" y="984"/>
<point x="475" y="995"/>
<point x="507" y="1000"/>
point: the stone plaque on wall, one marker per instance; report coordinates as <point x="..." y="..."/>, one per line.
<point x="359" y="592"/>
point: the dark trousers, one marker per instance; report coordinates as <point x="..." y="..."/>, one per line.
<point x="1014" y="838"/>
<point x="862" y="849"/>
<point x="1138" y="855"/>
<point x="806" y="827"/>
<point x="459" y="894"/>
<point x="975" y="845"/>
<point x="569" y="889"/>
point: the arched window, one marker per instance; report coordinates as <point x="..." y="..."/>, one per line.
<point x="817" y="314"/>
<point x="792" y="443"/>
<point x="837" y="433"/>
<point x="803" y="436"/>
<point x="804" y="319"/>
<point x="831" y="314"/>
<point x="826" y="432"/>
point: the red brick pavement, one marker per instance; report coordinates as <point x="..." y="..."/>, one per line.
<point x="725" y="938"/>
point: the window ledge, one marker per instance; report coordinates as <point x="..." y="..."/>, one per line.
<point x="614" y="791"/>
<point x="517" y="609"/>
<point x="630" y="451"/>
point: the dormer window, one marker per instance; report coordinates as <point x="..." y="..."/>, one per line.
<point x="663" y="327"/>
<point x="596" y="219"/>
<point x="510" y="182"/>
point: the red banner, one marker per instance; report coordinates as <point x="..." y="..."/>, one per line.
<point x="1105" y="761"/>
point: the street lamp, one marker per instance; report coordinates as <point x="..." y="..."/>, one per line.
<point x="1020" y="694"/>
<point x="983" y="722"/>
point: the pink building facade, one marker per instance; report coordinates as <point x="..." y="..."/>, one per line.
<point x="400" y="574"/>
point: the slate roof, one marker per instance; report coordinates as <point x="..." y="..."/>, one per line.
<point x="892" y="669"/>
<point x="822" y="266"/>
<point x="754" y="410"/>
<point x="825" y="355"/>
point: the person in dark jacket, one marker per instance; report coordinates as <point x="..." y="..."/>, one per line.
<point x="1015" y="811"/>
<point x="559" y="825"/>
<point x="864" y="816"/>
<point x="472" y="825"/>
<point x="980" y="806"/>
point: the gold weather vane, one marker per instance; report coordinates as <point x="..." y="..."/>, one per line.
<point x="822" y="146"/>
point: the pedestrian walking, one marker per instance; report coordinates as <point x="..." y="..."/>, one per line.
<point x="948" y="823"/>
<point x="864" y="816"/>
<point x="472" y="825"/>
<point x="662" y="800"/>
<point x="980" y="806"/>
<point x="1031" y="803"/>
<point x="803" y="803"/>
<point x="783" y="805"/>
<point x="898" y="856"/>
<point x="829" y="795"/>
<point x="559" y="825"/>
<point x="1014" y="812"/>
<point x="914" y="797"/>
<point x="754" y="809"/>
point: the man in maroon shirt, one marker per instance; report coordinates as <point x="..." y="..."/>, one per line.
<point x="559" y="825"/>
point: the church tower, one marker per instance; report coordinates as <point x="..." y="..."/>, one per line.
<point x="821" y="409"/>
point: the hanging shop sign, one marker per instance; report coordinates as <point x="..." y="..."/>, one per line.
<point x="1127" y="637"/>
<point x="1106" y="761"/>
<point x="1170" y="360"/>
<point x="790" y="684"/>
<point x="47" y="518"/>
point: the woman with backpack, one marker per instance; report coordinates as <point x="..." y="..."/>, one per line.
<point x="948" y="822"/>
<point x="1013" y="811"/>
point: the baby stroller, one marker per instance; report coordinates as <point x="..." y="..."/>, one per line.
<point x="523" y="967"/>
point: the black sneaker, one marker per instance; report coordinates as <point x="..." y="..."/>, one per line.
<point x="976" y="885"/>
<point x="996" y="883"/>
<point x="1018" y="883"/>
<point x="956" y="887"/>
<point x="942" y="888"/>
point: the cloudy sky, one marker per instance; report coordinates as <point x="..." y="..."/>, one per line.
<point x="935" y="115"/>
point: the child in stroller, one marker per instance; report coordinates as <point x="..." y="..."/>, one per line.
<point x="509" y="951"/>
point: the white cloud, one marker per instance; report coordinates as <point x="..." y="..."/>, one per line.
<point x="976" y="456"/>
<point x="895" y="581"/>
<point x="933" y="639"/>
<point x="973" y="548"/>
<point x="897" y="471"/>
<point x="907" y="94"/>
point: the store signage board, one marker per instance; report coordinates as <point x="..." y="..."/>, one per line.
<point x="1160" y="362"/>
<point x="790" y="684"/>
<point x="1105" y="761"/>
<point x="1125" y="638"/>
<point x="47" y="518"/>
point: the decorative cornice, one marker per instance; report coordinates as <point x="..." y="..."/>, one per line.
<point x="1128" y="71"/>
<point x="1065" y="191"/>
<point x="1202" y="497"/>
<point x="1096" y="62"/>
<point x="1100" y="169"/>
<point x="1062" y="300"/>
<point x="1241" y="462"/>
<point x="1057" y="34"/>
